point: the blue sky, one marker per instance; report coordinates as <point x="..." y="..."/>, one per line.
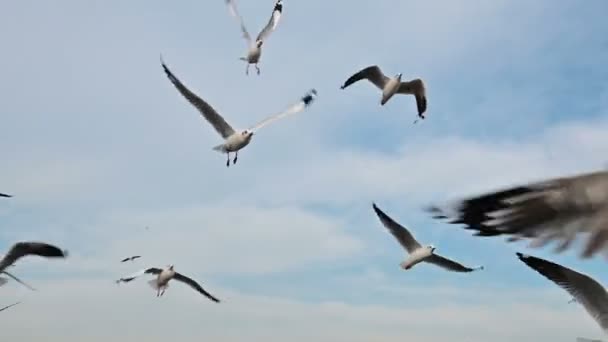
<point x="98" y="144"/>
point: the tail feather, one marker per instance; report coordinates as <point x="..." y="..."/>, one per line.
<point x="153" y="283"/>
<point x="220" y="148"/>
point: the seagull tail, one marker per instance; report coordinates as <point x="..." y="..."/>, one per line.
<point x="220" y="148"/>
<point x="243" y="59"/>
<point x="154" y="284"/>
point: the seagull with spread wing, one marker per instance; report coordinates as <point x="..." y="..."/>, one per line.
<point x="558" y="209"/>
<point x="163" y="276"/>
<point x="587" y="291"/>
<point x="418" y="253"/>
<point x="391" y="86"/>
<point x="234" y="139"/>
<point x="255" y="47"/>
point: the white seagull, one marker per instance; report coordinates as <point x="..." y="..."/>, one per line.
<point x="418" y="253"/>
<point x="21" y="249"/>
<point x="163" y="276"/>
<point x="255" y="47"/>
<point x="583" y="288"/>
<point x="9" y="306"/>
<point x="391" y="86"/>
<point x="558" y="209"/>
<point x="234" y="139"/>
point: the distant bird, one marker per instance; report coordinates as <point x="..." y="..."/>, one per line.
<point x="5" y="195"/>
<point x="255" y="47"/>
<point x="21" y="249"/>
<point x="585" y="289"/>
<point x="555" y="209"/>
<point x="4" y="281"/>
<point x="418" y="253"/>
<point x="234" y="139"/>
<point x="6" y="307"/>
<point x="161" y="282"/>
<point x="582" y="339"/>
<point x="392" y="86"/>
<point x="130" y="258"/>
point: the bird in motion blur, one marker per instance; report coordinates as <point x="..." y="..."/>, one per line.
<point x="22" y="249"/>
<point x="557" y="209"/>
<point x="254" y="51"/>
<point x="234" y="140"/>
<point x="131" y="258"/>
<point x="161" y="282"/>
<point x="391" y="86"/>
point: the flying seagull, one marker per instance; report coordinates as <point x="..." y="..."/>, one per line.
<point x="8" y="306"/>
<point x="4" y="281"/>
<point x="254" y="51"/>
<point x="555" y="209"/>
<point x="21" y="249"/>
<point x="234" y="139"/>
<point x="585" y="289"/>
<point x="5" y="195"/>
<point x="161" y="282"/>
<point x="391" y="86"/>
<point x="418" y="253"/>
<point x="131" y="258"/>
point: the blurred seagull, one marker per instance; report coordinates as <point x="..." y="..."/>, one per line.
<point x="9" y="306"/>
<point x="130" y="258"/>
<point x="234" y="139"/>
<point x="555" y="209"/>
<point x="583" y="288"/>
<point x="161" y="282"/>
<point x="418" y="253"/>
<point x="255" y="47"/>
<point x="21" y="249"/>
<point x="391" y="86"/>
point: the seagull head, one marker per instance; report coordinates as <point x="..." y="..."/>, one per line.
<point x="247" y="134"/>
<point x="431" y="247"/>
<point x="171" y="267"/>
<point x="259" y="43"/>
<point x="398" y="76"/>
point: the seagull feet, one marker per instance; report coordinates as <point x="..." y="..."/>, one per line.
<point x="257" y="69"/>
<point x="235" y="158"/>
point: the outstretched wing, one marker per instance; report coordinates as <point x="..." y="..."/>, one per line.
<point x="8" y="306"/>
<point x="405" y="238"/>
<point x="151" y="270"/>
<point x="304" y="102"/>
<point x="557" y="209"/>
<point x="194" y="285"/>
<point x="450" y="265"/>
<point x="235" y="13"/>
<point x="371" y="73"/>
<point x="277" y="11"/>
<point x="21" y="249"/>
<point x="5" y="195"/>
<point x="19" y="281"/>
<point x="415" y="87"/>
<point x="210" y="114"/>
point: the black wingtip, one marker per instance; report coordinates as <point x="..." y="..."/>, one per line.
<point x="521" y="256"/>
<point x="5" y="195"/>
<point x="308" y="98"/>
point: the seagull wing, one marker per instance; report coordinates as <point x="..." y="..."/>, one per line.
<point x="416" y="88"/>
<point x="210" y="114"/>
<point x="235" y="13"/>
<point x="5" y="195"/>
<point x="585" y="289"/>
<point x="8" y="306"/>
<point x="19" y="281"/>
<point x="371" y="73"/>
<point x="277" y="11"/>
<point x="450" y="265"/>
<point x="555" y="209"/>
<point x="125" y="259"/>
<point x="151" y="270"/>
<point x="22" y="249"/>
<point x="304" y="102"/>
<point x="194" y="285"/>
<point x="403" y="235"/>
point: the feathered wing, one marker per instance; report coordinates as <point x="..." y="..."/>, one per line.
<point x="194" y="285"/>
<point x="19" y="281"/>
<point x="450" y="265"/>
<point x="405" y="238"/>
<point x="585" y="289"/>
<point x="277" y="11"/>
<point x="5" y="195"/>
<point x="557" y="209"/>
<point x="371" y="73"/>
<point x="304" y="102"/>
<point x="9" y="306"/>
<point x="151" y="270"/>
<point x="21" y="249"/>
<point x="235" y="13"/>
<point x="415" y="87"/>
<point x="210" y="114"/>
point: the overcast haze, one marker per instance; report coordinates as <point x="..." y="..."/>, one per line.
<point x="97" y="145"/>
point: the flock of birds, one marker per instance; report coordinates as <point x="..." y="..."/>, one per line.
<point x="552" y="210"/>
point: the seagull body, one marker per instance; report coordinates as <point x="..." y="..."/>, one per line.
<point x="254" y="51"/>
<point x="234" y="140"/>
<point x="583" y="288"/>
<point x="391" y="86"/>
<point x="558" y="209"/>
<point x="130" y="258"/>
<point x="163" y="276"/>
<point x="417" y="252"/>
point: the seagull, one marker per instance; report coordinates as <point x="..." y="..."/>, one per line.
<point x="585" y="289"/>
<point x="8" y="306"/>
<point x="542" y="212"/>
<point x="391" y="86"/>
<point x="255" y="47"/>
<point x="4" y="281"/>
<point x="418" y="253"/>
<point x="234" y="139"/>
<point x="161" y="282"/>
<point x="5" y="195"/>
<point x="131" y="258"/>
<point x="21" y="249"/>
<point x="582" y="339"/>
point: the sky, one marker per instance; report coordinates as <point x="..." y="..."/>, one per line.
<point x="98" y="145"/>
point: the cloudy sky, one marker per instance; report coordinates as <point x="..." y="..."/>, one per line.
<point x="97" y="145"/>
